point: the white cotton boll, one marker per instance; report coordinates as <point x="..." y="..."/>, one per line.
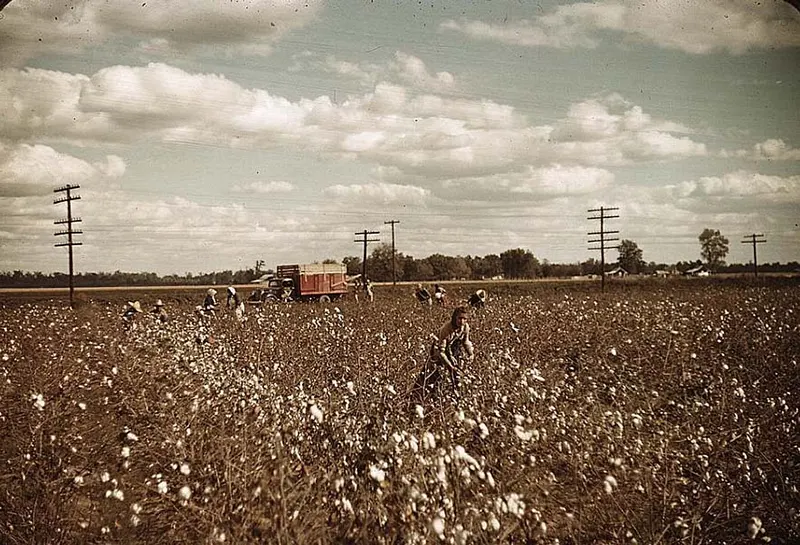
<point x="136" y="508"/>
<point x="78" y="480"/>
<point x="185" y="492"/>
<point x="126" y="452"/>
<point x="428" y="440"/>
<point x="351" y="388"/>
<point x="38" y="401"/>
<point x="82" y="406"/>
<point x="520" y="432"/>
<point x="135" y="520"/>
<point x="420" y="411"/>
<point x="346" y="505"/>
<point x="118" y="494"/>
<point x="754" y="527"/>
<point x="437" y="525"/>
<point x="484" y="431"/>
<point x="316" y="413"/>
<point x="609" y="484"/>
<point x="105" y="477"/>
<point x="377" y="474"/>
<point x="391" y="389"/>
<point x="163" y="487"/>
<point x="132" y="437"/>
<point x="613" y="351"/>
<point x="185" y="469"/>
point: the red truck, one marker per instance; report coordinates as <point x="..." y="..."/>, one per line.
<point x="311" y="282"/>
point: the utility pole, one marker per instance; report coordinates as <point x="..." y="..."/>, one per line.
<point x="603" y="239"/>
<point x="364" y="234"/>
<point x="754" y="239"/>
<point x="68" y="198"/>
<point x="394" y="254"/>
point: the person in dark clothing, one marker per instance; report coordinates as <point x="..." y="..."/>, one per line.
<point x="477" y="300"/>
<point x="451" y="347"/>
<point x="423" y="295"/>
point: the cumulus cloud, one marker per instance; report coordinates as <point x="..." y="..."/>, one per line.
<point x="264" y="187"/>
<point x="742" y="183"/>
<point x="734" y="26"/>
<point x="382" y="193"/>
<point x="29" y="170"/>
<point x="251" y="27"/>
<point x="611" y="131"/>
<point x="773" y="149"/>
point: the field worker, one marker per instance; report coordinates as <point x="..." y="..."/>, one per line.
<point x="423" y="295"/>
<point x="451" y="346"/>
<point x="159" y="312"/>
<point x="238" y="307"/>
<point x="368" y="290"/>
<point x="231" y="303"/>
<point x="210" y="302"/>
<point x="131" y="310"/>
<point x="478" y="299"/>
<point x="438" y="293"/>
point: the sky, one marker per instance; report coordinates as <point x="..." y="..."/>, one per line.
<point x="205" y="136"/>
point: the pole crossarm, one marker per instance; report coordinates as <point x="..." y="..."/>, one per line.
<point x="603" y="238"/>
<point x="394" y="252"/>
<point x="69" y="231"/>
<point x="754" y="239"/>
<point x="364" y="240"/>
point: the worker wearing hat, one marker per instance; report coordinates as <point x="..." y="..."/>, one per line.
<point x="159" y="312"/>
<point x="131" y="310"/>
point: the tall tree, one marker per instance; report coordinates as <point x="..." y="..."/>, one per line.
<point x="713" y="247"/>
<point x="519" y="263"/>
<point x="379" y="263"/>
<point x="630" y="257"/>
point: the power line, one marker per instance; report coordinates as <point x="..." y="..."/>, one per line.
<point x="364" y="234"/>
<point x="754" y="239"/>
<point x="602" y="240"/>
<point x="394" y="253"/>
<point x="68" y="198"/>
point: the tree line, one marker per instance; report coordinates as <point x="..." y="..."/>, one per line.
<point x="382" y="266"/>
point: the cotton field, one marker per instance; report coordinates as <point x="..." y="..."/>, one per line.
<point x="653" y="413"/>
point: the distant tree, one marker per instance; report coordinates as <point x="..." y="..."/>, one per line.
<point x="519" y="263"/>
<point x="353" y="264"/>
<point x="487" y="266"/>
<point x="329" y="261"/>
<point x="713" y="248"/>
<point x="379" y="264"/>
<point x="590" y="266"/>
<point x="630" y="257"/>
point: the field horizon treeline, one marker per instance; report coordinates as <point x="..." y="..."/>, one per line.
<point x="515" y="263"/>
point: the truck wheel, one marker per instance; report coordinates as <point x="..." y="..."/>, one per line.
<point x="324" y="299"/>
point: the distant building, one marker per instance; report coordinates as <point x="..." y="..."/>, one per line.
<point x="617" y="271"/>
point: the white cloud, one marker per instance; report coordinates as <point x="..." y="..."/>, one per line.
<point x="773" y="149"/>
<point x="28" y="170"/>
<point x="264" y="187"/>
<point x="742" y="183"/>
<point x="735" y="26"/>
<point x="382" y="193"/>
<point x="251" y="27"/>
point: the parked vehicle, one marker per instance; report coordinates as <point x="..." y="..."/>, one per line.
<point x="310" y="282"/>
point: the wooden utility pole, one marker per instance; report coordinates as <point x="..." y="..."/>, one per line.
<point x="603" y="239"/>
<point x="364" y="234"/>
<point x="68" y="198"/>
<point x="394" y="254"/>
<point x="754" y="239"/>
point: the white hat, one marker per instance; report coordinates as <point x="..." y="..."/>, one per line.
<point x="231" y="290"/>
<point x="211" y="291"/>
<point x="135" y="306"/>
<point x="481" y="294"/>
<point x="159" y="303"/>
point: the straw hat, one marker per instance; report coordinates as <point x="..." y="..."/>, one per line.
<point x="231" y="290"/>
<point x="135" y="306"/>
<point x="159" y="303"/>
<point x="211" y="291"/>
<point x="481" y="295"/>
